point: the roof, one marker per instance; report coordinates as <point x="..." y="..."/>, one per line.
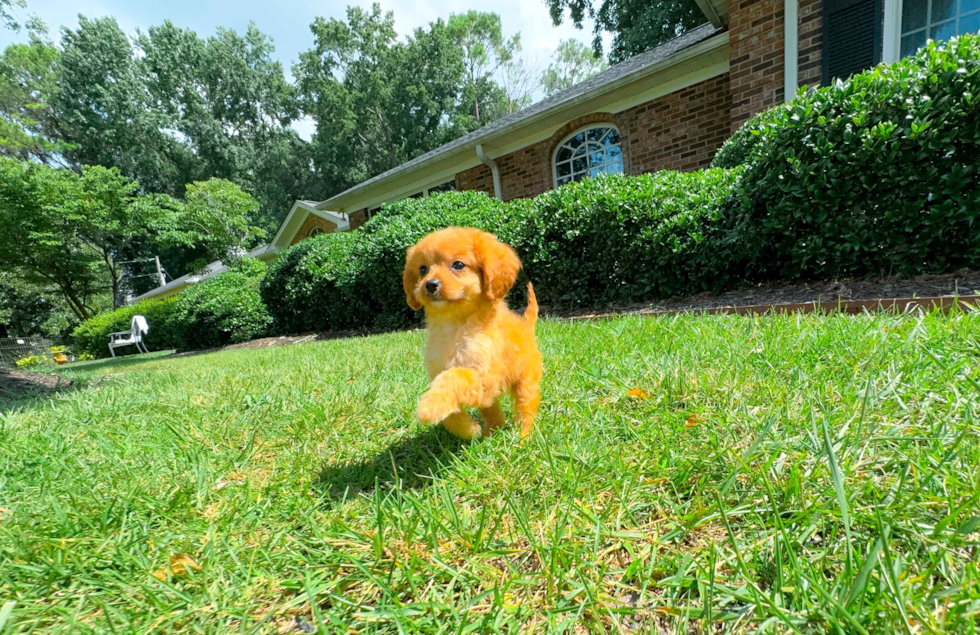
<point x="283" y="238"/>
<point x="212" y="269"/>
<point x="611" y="77"/>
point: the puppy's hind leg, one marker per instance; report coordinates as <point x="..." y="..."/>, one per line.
<point x="493" y="416"/>
<point x="527" y="397"/>
<point x="463" y="426"/>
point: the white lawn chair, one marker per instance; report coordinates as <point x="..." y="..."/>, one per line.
<point x="134" y="336"/>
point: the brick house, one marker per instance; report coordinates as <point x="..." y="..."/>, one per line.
<point x="669" y="108"/>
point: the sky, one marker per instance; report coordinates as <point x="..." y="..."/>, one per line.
<point x="287" y="21"/>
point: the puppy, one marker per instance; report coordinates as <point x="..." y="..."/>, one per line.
<point x="478" y="349"/>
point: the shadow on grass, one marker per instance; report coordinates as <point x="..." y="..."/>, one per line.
<point x="23" y="390"/>
<point x="411" y="463"/>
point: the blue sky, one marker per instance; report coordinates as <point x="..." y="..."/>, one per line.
<point x="287" y="21"/>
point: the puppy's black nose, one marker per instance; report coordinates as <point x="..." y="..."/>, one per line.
<point x="431" y="286"/>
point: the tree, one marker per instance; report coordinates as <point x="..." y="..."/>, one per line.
<point x="520" y="78"/>
<point x="39" y="244"/>
<point x="214" y="216"/>
<point x="572" y="63"/>
<point x="636" y="25"/>
<point x="31" y="309"/>
<point x="7" y="18"/>
<point x="377" y="102"/>
<point x="227" y="99"/>
<point x="485" y="54"/>
<point x="29" y="126"/>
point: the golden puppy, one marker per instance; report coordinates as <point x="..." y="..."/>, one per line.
<point x="478" y="349"/>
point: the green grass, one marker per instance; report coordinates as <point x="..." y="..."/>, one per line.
<point x="809" y="474"/>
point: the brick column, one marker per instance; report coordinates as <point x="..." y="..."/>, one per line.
<point x="756" y="41"/>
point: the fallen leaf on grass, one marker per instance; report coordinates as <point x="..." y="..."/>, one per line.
<point x="180" y="563"/>
<point x="637" y="393"/>
<point x="692" y="421"/>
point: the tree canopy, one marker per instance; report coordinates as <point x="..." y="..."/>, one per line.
<point x="636" y="25"/>
<point x="571" y="63"/>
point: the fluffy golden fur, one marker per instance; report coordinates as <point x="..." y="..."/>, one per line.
<point x="478" y="349"/>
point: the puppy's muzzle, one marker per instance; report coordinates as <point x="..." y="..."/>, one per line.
<point x="432" y="287"/>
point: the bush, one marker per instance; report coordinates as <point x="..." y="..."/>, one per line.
<point x="92" y="336"/>
<point x="224" y="309"/>
<point x="875" y="175"/>
<point x="623" y="239"/>
<point x="738" y="148"/>
<point x="32" y="361"/>
<point x="310" y="286"/>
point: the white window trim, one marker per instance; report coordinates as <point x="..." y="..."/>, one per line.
<point x="558" y="146"/>
<point x="316" y="230"/>
<point x="891" y="35"/>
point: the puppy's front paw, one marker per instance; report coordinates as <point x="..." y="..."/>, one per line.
<point x="434" y="407"/>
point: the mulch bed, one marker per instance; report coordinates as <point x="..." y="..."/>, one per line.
<point x="18" y="383"/>
<point x="889" y="293"/>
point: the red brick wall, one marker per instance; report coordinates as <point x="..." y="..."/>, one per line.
<point x="679" y="131"/>
<point x="756" y="39"/>
<point x="811" y="42"/>
<point x="478" y="179"/>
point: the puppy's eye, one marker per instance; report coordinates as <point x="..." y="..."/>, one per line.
<point x="423" y="270"/>
<point x="458" y="266"/>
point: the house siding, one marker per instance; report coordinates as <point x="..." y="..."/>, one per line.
<point x="678" y="131"/>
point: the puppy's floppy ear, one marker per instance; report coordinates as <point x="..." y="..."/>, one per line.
<point x="409" y="278"/>
<point x="500" y="266"/>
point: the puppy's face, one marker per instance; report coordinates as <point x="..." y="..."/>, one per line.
<point x="453" y="271"/>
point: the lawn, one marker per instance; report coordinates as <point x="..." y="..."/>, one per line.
<point x="811" y="474"/>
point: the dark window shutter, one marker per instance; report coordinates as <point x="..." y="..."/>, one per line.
<point x="851" y="37"/>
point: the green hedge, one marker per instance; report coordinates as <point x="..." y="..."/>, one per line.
<point x="224" y="309"/>
<point x="310" y="286"/>
<point x="624" y="239"/>
<point x="92" y="335"/>
<point x="876" y="175"/>
<point x="738" y="148"/>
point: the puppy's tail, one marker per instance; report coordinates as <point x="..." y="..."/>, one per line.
<point x="531" y="312"/>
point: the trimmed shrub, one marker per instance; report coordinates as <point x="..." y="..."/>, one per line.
<point x="91" y="337"/>
<point x="738" y="148"/>
<point x="876" y="175"/>
<point x="624" y="239"/>
<point x="310" y="286"/>
<point x="224" y="309"/>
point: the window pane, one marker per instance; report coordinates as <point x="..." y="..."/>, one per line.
<point x="596" y="134"/>
<point x="597" y="158"/>
<point x="614" y="168"/>
<point x="564" y="154"/>
<point x="969" y="5"/>
<point x="564" y="180"/>
<point x="614" y="154"/>
<point x="913" y="15"/>
<point x="971" y="23"/>
<point x="912" y="43"/>
<point x="942" y="10"/>
<point x="580" y="165"/>
<point x="564" y="169"/>
<point x="612" y="139"/>
<point x="943" y="31"/>
<point x="576" y="141"/>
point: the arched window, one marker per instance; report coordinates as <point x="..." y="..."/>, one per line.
<point x="316" y="231"/>
<point x="588" y="152"/>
